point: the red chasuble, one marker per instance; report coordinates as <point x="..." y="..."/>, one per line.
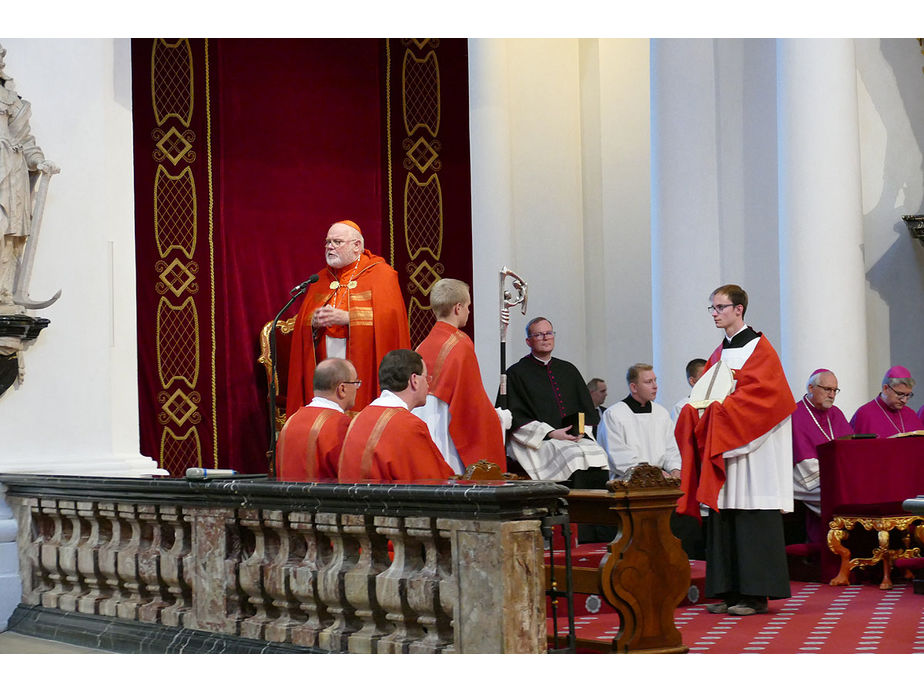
<point x="456" y="380"/>
<point x="369" y="290"/>
<point x="390" y="444"/>
<point x="309" y="444"/>
<point x="761" y="400"/>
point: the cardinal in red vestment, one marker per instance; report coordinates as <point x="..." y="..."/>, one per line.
<point x="355" y="312"/>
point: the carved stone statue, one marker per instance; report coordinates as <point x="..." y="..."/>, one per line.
<point x="21" y="162"/>
<point x="24" y="176"/>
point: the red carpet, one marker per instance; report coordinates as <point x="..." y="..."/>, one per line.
<point x="817" y="619"/>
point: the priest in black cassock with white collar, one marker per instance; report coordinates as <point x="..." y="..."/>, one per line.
<point x="542" y="392"/>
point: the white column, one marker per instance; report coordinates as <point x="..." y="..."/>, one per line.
<point x="685" y="229"/>
<point x="492" y="213"/>
<point x="76" y="411"/>
<point x="822" y="281"/>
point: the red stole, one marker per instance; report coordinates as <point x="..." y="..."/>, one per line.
<point x="456" y="380"/>
<point x="309" y="444"/>
<point x="390" y="444"/>
<point x="761" y="400"/>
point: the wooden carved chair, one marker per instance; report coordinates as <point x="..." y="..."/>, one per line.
<point x="283" y="349"/>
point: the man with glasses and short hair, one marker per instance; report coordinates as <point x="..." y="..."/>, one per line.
<point x="464" y="424"/>
<point x="386" y="442"/>
<point x="542" y="391"/>
<point x="887" y="414"/>
<point x="309" y="444"/>
<point x="355" y="312"/>
<point x="737" y="460"/>
<point x="816" y="421"/>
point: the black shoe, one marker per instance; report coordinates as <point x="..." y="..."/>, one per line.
<point x="749" y="606"/>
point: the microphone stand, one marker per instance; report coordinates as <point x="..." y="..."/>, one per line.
<point x="271" y="453"/>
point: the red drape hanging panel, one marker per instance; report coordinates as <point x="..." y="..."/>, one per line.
<point x="175" y="231"/>
<point x="428" y="176"/>
<point x="246" y="150"/>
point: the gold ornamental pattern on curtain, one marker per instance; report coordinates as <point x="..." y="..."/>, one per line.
<point x="420" y="220"/>
<point x="185" y="389"/>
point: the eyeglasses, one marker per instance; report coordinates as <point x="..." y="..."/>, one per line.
<point x="901" y="395"/>
<point x="336" y="242"/>
<point x="357" y="383"/>
<point x="829" y="390"/>
<point x="719" y="308"/>
<point x="542" y="335"/>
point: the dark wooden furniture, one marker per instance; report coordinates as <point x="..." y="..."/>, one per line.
<point x="645" y="574"/>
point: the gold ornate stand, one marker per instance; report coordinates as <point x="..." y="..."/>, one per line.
<point x="909" y="526"/>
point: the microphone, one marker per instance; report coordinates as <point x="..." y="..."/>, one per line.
<point x="304" y="285"/>
<point x="202" y="473"/>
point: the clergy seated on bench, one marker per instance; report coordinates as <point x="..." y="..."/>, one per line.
<point x="386" y="442"/>
<point x="542" y="393"/>
<point x="816" y="421"/>
<point x="888" y="413"/>
<point x="544" y="396"/>
<point x="310" y="442"/>
<point x="638" y="430"/>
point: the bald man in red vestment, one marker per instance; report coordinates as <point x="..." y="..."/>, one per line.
<point x="310" y="442"/>
<point x="355" y="312"/>
<point x="464" y="424"/>
<point x="386" y="442"/>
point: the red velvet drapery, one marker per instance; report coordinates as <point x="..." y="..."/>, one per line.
<point x="246" y="150"/>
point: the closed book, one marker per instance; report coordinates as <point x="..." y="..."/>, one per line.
<point x="575" y="422"/>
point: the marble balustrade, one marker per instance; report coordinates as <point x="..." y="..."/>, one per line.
<point x="366" y="568"/>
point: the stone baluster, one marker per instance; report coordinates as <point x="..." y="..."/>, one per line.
<point x="448" y="588"/>
<point x="359" y="583"/>
<point x="175" y="554"/>
<point x="331" y="591"/>
<point x="212" y="570"/>
<point x="304" y="579"/>
<point x="391" y="586"/>
<point x="257" y="554"/>
<point x="149" y="564"/>
<point x="88" y="557"/>
<point x="33" y="529"/>
<point x="127" y="562"/>
<point x="423" y="587"/>
<point x="49" y="554"/>
<point x="108" y="560"/>
<point x="67" y="556"/>
<point x="277" y="577"/>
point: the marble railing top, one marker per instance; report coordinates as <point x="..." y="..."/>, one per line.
<point x="439" y="498"/>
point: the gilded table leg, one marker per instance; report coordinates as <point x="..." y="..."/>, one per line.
<point x="835" y="537"/>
